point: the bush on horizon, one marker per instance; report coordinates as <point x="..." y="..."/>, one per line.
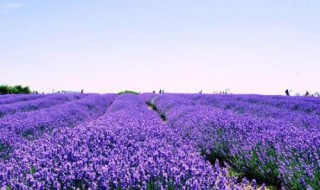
<point x="17" y="89"/>
<point x="128" y="92"/>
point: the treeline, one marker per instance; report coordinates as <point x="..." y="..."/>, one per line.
<point x="128" y="92"/>
<point x="18" y="89"/>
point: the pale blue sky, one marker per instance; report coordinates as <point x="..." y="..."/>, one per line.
<point x="248" y="46"/>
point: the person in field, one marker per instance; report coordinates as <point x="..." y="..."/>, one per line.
<point x="307" y="93"/>
<point x="287" y="92"/>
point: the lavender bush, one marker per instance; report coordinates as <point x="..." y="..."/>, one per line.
<point x="8" y="99"/>
<point x="16" y="129"/>
<point x="45" y="102"/>
<point x="127" y="148"/>
<point x="280" y="148"/>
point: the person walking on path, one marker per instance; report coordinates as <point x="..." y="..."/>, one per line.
<point x="287" y="92"/>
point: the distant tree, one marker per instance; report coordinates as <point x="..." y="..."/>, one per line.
<point x="4" y="89"/>
<point x="128" y="92"/>
<point x="18" y="89"/>
<point x="25" y="90"/>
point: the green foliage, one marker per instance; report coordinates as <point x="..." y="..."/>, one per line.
<point x="18" y="89"/>
<point x="234" y="173"/>
<point x="5" y="150"/>
<point x="298" y="176"/>
<point x="153" y="107"/>
<point x="2" y="147"/>
<point x="32" y="170"/>
<point x="128" y="92"/>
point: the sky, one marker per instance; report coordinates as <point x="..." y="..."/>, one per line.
<point x="247" y="46"/>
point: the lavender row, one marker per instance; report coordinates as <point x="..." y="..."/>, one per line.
<point x="45" y="102"/>
<point x="275" y="151"/>
<point x="232" y="102"/>
<point x="305" y="105"/>
<point x="127" y="148"/>
<point x="294" y="99"/>
<point x="19" y="98"/>
<point x="299" y="119"/>
<point x="61" y="115"/>
<point x="16" y="129"/>
<point x="4" y="96"/>
<point x="298" y="104"/>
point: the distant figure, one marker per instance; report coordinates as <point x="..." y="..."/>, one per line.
<point x="153" y="92"/>
<point x="307" y="93"/>
<point x="160" y="91"/>
<point x="82" y="91"/>
<point x="200" y="92"/>
<point x="287" y="92"/>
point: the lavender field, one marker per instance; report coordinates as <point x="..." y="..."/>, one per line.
<point x="159" y="141"/>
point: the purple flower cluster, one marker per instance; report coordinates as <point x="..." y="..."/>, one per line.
<point x="234" y="103"/>
<point x="309" y="105"/>
<point x="36" y="104"/>
<point x="17" y="128"/>
<point x="129" y="147"/>
<point x="261" y="136"/>
<point x="7" y="99"/>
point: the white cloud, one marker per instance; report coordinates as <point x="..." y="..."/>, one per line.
<point x="9" y="7"/>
